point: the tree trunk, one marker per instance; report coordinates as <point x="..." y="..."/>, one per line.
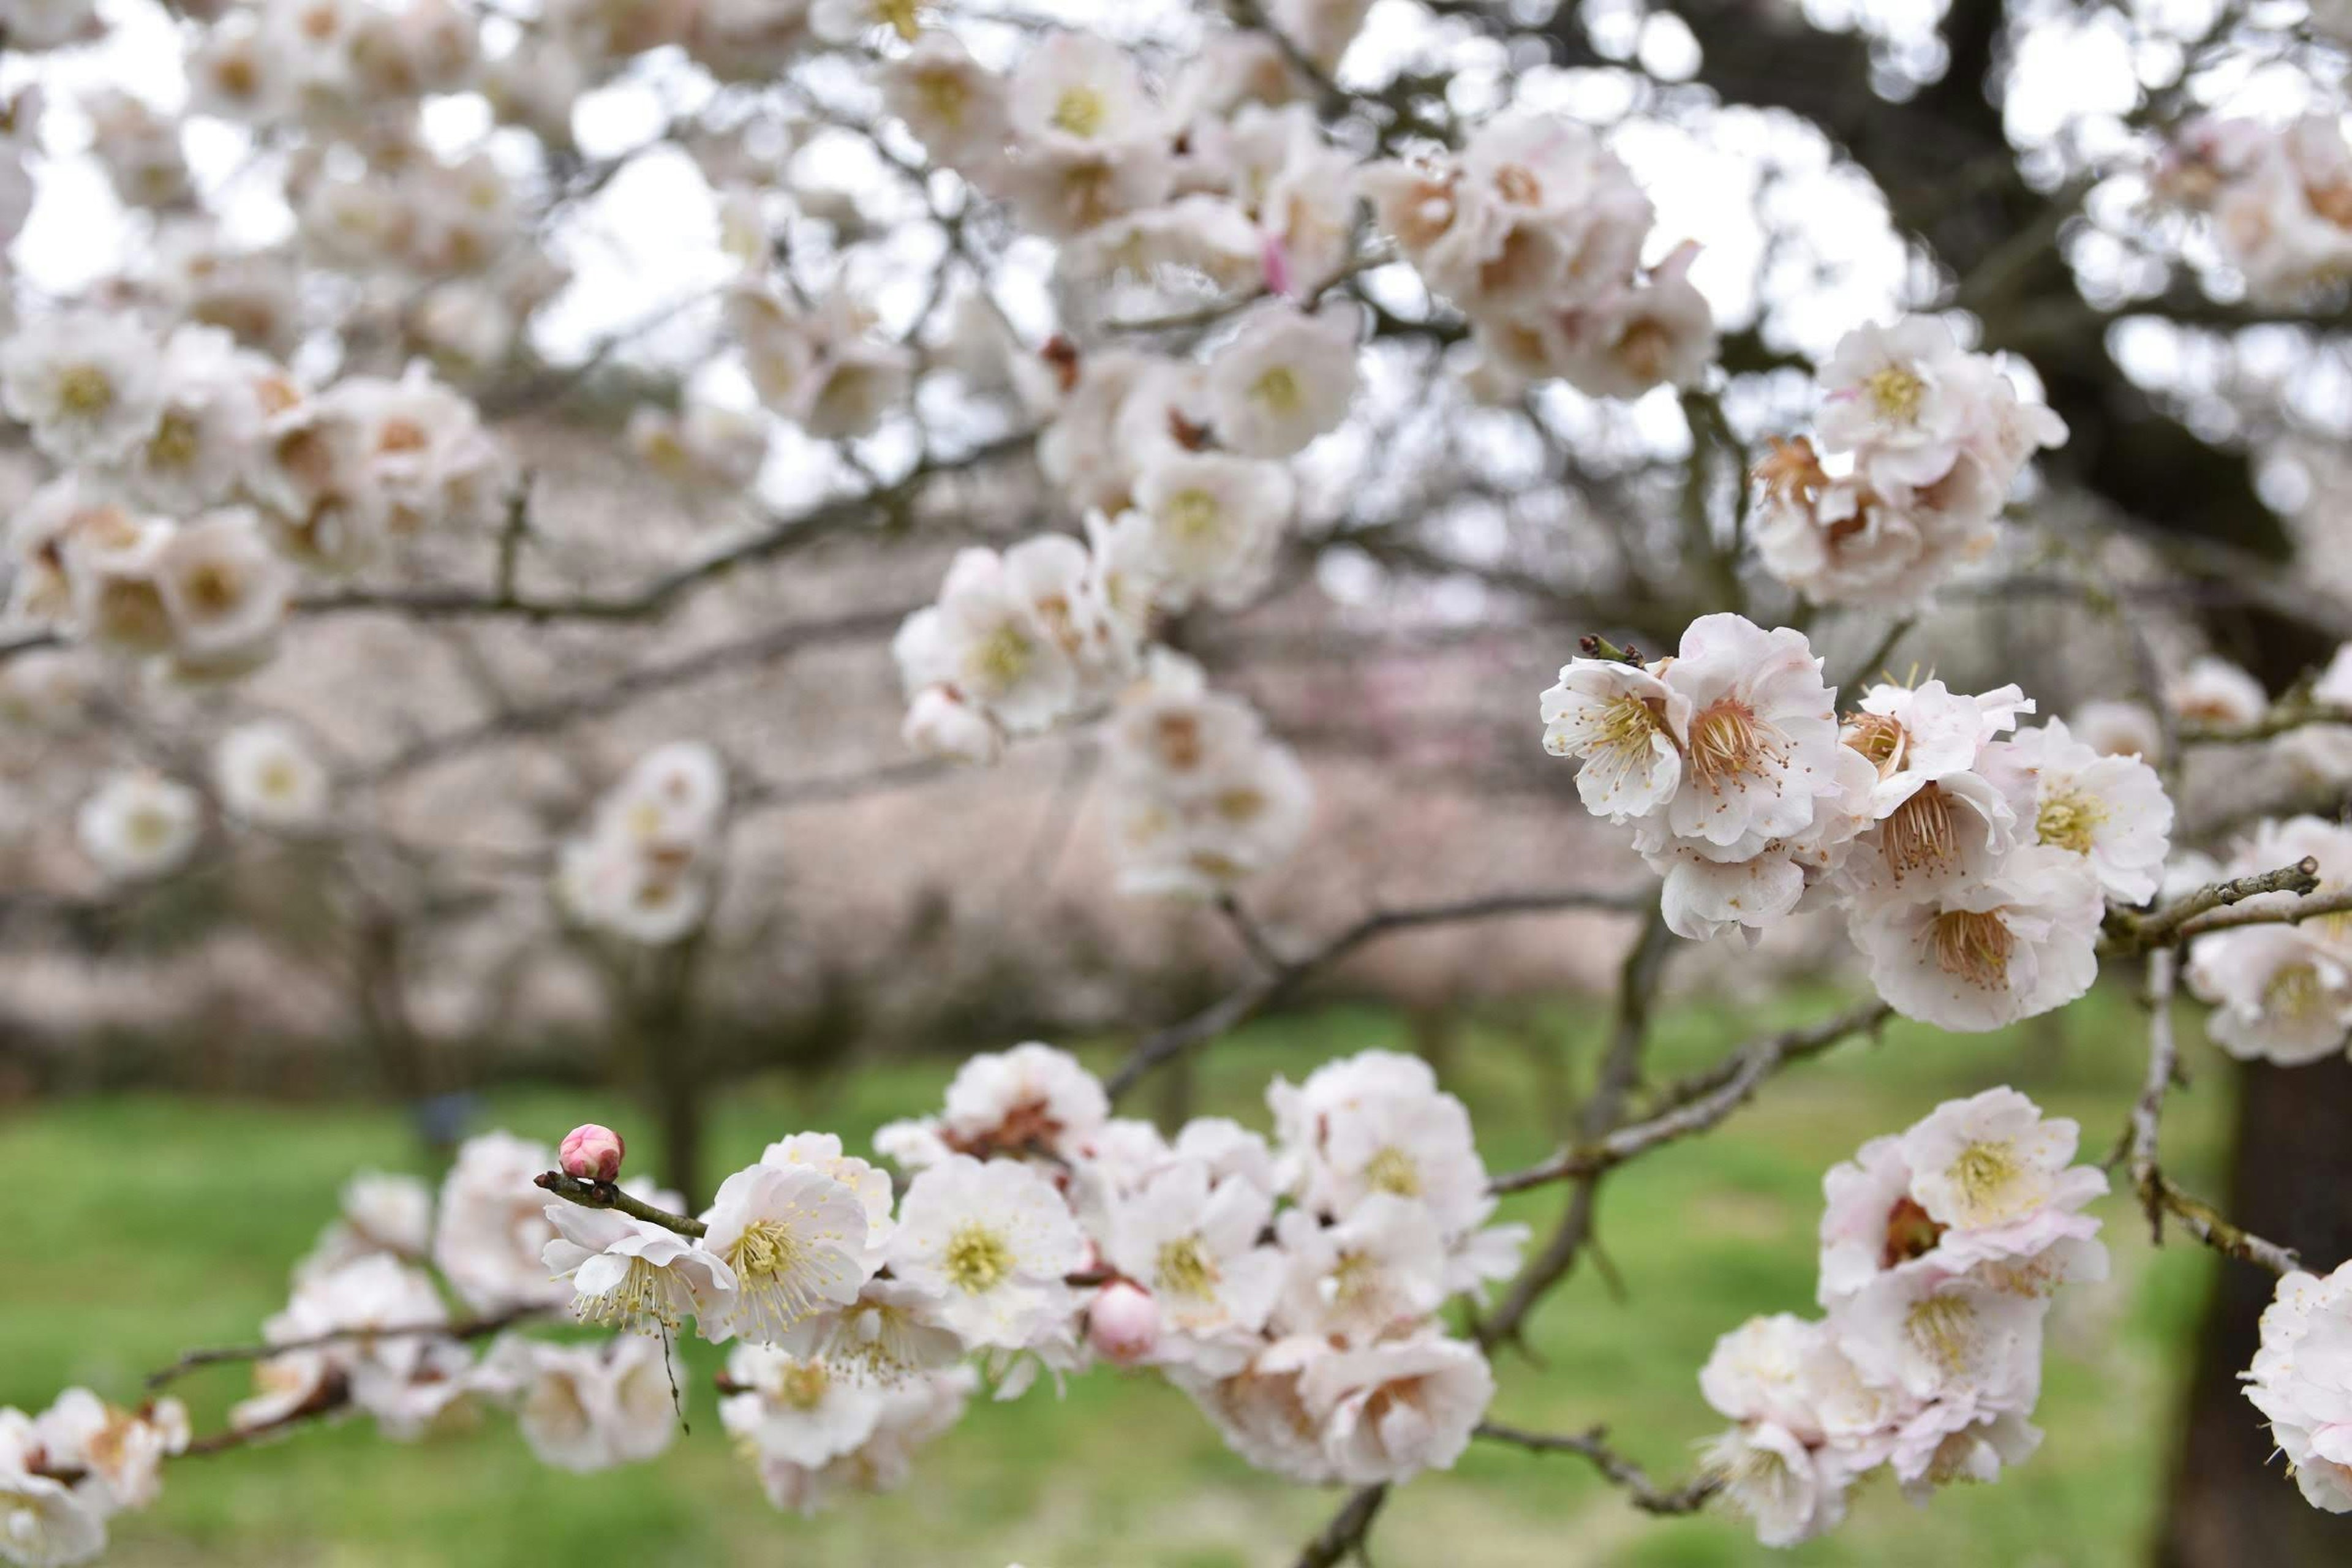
<point x="670" y="1055"/>
<point x="2232" y="1505"/>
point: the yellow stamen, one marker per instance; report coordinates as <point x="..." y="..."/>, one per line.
<point x="2070" y="820"/>
<point x="1973" y="945"/>
<point x="1921" y="833"/>
<point x="1895" y="392"/>
<point x="1081" y="112"/>
<point x="1393" y="1171"/>
<point x="1185" y="1269"/>
<point x="977" y="1259"/>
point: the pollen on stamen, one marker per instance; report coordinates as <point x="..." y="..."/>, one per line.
<point x="1973" y="945"/>
<point x="640" y="1304"/>
<point x="1725" y="741"/>
<point x="1942" y="1328"/>
<point x="1921" y="833"/>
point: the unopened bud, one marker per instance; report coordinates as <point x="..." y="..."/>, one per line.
<point x="1123" y="1325"/>
<point x="592" y="1153"/>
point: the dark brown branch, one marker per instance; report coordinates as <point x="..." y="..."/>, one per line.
<point x="462" y="1328"/>
<point x="2128" y="932"/>
<point x="2158" y="1194"/>
<point x="1347" y="1529"/>
<point x="1620" y="1067"/>
<point x="1621" y="1471"/>
<point x="1240" y="1006"/>
<point x="1701" y="1101"/>
<point x="607" y="1195"/>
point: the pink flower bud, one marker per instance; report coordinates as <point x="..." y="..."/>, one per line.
<point x="1123" y="1325"/>
<point x="1275" y="256"/>
<point x="592" y="1153"/>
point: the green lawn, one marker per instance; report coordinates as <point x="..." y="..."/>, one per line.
<point x="145" y="1227"/>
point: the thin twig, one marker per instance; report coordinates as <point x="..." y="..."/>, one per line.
<point x="1644" y="1493"/>
<point x="1701" y="1101"/>
<point x="1620" y="1066"/>
<point x="2158" y="1194"/>
<point x="2128" y="932"/>
<point x="460" y="1329"/>
<point x="1243" y="1002"/>
<point x="1347" y="1529"/>
<point x="606" y="1196"/>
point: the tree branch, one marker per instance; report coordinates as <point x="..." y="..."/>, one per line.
<point x="1239" y="1006"/>
<point x="1644" y="1493"/>
<point x="1619" y="1068"/>
<point x="2157" y="1196"/>
<point x="2128" y="932"/>
<point x="1700" y="1101"/>
<point x="1347" y="1529"/>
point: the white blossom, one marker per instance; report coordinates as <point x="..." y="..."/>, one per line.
<point x="996" y="1242"/>
<point x="795" y="1239"/>
<point x="267" y="776"/>
<point x="139" y="825"/>
<point x="1282" y="379"/>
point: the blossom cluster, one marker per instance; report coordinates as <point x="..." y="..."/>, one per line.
<point x="1200" y="796"/>
<point x="2281" y="992"/>
<point x="1535" y="231"/>
<point x="1940" y="1248"/>
<point x="647" y="869"/>
<point x="198" y="477"/>
<point x="66" y="1471"/>
<point x="2280" y="197"/>
<point x="1915" y="448"/>
<point x="138" y="823"/>
<point x="1972" y="864"/>
<point x="1290" y="1288"/>
<point x="2300" y="1384"/>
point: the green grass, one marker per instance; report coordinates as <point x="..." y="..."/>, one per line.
<point x="146" y="1226"/>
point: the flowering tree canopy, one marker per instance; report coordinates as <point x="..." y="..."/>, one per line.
<point x="1732" y="347"/>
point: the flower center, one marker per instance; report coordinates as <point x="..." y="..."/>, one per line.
<point x="943" y="95"/>
<point x="1921" y="835"/>
<point x="1878" y="737"/>
<point x="1351" y="1279"/>
<point x="1239" y="805"/>
<point x="1185" y="1269"/>
<point x="174" y="444"/>
<point x="1910" y="1234"/>
<point x="1516" y="182"/>
<point x="2294" y="992"/>
<point x="2070" y="820"/>
<point x="213" y="586"/>
<point x="1942" y="1328"/>
<point x="767" y="1249"/>
<point x="1179" y="736"/>
<point x="1278" y="390"/>
<point x="1985" y="1173"/>
<point x="804" y="1385"/>
<point x="148" y="829"/>
<point x="1194" y="515"/>
<point x="1080" y="111"/>
<point x="1974" y="945"/>
<point x="1393" y="1170"/>
<point x="1645" y="348"/>
<point x="1628" y="726"/>
<point x="900" y="14"/>
<point x="1895" y="392"/>
<point x="1725" y="741"/>
<point x="1001" y="658"/>
<point x="978" y="1260"/>
<point x="640" y="1299"/>
<point x="85" y="390"/>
